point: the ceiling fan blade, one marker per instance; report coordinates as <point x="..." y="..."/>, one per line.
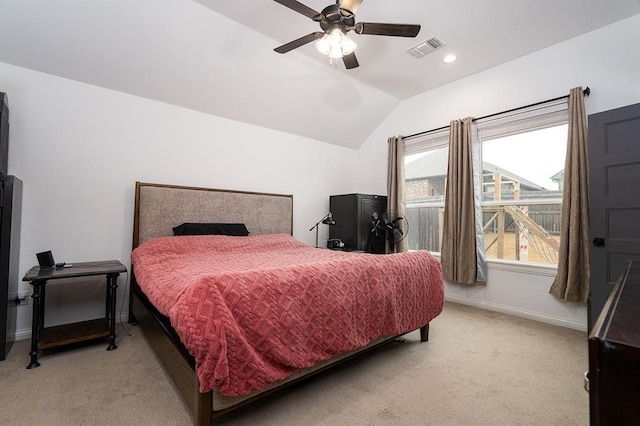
<point x="299" y="7"/>
<point x="299" y="42"/>
<point x="350" y="61"/>
<point x="397" y="30"/>
<point x="351" y="5"/>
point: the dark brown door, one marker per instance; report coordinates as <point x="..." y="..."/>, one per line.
<point x="614" y="198"/>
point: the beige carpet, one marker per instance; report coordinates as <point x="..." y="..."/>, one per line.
<point x="479" y="368"/>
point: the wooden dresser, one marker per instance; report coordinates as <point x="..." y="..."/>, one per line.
<point x="614" y="354"/>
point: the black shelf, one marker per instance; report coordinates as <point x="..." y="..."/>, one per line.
<point x="67" y="334"/>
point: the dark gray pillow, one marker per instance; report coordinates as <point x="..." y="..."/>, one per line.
<point x="235" y="229"/>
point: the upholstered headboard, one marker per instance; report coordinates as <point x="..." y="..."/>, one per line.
<point x="159" y="208"/>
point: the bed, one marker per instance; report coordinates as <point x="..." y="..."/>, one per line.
<point x="230" y="331"/>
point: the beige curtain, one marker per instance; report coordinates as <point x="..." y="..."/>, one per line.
<point x="458" y="253"/>
<point x="396" y="198"/>
<point x="572" y="281"/>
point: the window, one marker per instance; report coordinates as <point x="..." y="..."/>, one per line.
<point x="522" y="157"/>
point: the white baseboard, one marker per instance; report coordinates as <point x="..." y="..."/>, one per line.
<point x="23" y="334"/>
<point x="522" y="313"/>
<point x="536" y="316"/>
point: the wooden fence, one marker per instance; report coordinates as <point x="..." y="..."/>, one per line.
<point x="425" y="224"/>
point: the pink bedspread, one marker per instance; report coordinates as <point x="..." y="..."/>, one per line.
<point x="253" y="309"/>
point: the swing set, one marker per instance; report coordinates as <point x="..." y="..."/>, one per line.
<point x="526" y="231"/>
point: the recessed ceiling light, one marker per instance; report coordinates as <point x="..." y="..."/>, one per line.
<point x="449" y="58"/>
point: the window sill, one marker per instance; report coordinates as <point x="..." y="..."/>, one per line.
<point x="521" y="268"/>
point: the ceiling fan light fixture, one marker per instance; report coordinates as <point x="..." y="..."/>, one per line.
<point x="336" y="44"/>
<point x="335" y="53"/>
<point x="348" y="45"/>
<point x="336" y="36"/>
<point x="323" y="45"/>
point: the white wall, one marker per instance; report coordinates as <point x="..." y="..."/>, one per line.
<point x="606" y="60"/>
<point x="79" y="149"/>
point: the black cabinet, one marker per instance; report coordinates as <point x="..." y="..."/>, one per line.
<point x="4" y="133"/>
<point x="352" y="213"/>
<point x="614" y="354"/>
<point x="10" y="207"/>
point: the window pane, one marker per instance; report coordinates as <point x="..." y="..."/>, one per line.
<point x="525" y="166"/>
<point x="425" y="175"/>
<point x="425" y="227"/>
<point x="522" y="233"/>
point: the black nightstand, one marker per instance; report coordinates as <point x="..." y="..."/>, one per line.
<point x="48" y="337"/>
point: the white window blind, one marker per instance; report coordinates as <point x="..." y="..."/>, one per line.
<point x="527" y="119"/>
<point x="426" y="142"/>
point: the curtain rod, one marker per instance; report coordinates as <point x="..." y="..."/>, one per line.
<point x="585" y="92"/>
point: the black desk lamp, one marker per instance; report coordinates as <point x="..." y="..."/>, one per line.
<point x="327" y="220"/>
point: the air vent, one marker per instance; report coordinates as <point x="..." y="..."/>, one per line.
<point x="425" y="47"/>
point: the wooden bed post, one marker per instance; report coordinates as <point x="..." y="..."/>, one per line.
<point x="203" y="409"/>
<point x="424" y="333"/>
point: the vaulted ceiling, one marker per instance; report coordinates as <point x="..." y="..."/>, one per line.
<point x="217" y="56"/>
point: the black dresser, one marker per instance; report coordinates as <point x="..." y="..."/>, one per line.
<point x="10" y="216"/>
<point x="614" y="355"/>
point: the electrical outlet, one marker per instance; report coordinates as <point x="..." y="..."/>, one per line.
<point x="23" y="298"/>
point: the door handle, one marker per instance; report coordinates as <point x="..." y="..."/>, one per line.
<point x="598" y="242"/>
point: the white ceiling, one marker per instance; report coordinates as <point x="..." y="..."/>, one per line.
<point x="217" y="56"/>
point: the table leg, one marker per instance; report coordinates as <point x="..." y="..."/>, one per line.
<point x="112" y="285"/>
<point x="107" y="309"/>
<point x="38" y="303"/>
<point x="43" y="296"/>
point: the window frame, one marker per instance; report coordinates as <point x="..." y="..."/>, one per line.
<point x="522" y="120"/>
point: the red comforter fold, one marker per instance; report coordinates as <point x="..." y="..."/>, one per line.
<point x="253" y="309"/>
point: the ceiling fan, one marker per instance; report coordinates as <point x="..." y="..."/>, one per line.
<point x="336" y="21"/>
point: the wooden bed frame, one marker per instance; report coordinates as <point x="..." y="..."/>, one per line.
<point x="158" y="208"/>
